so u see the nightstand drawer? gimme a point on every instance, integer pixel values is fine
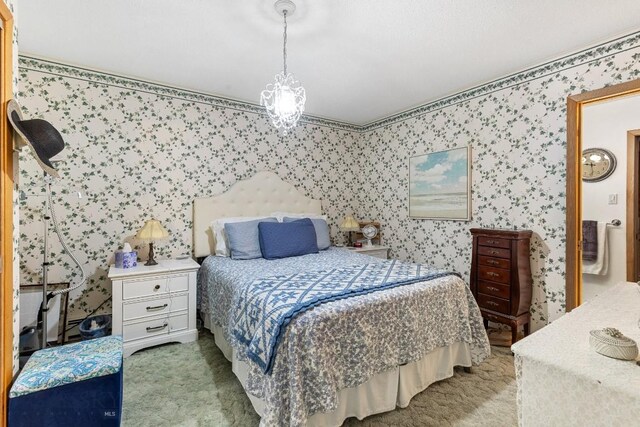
(377, 253)
(500, 291)
(494, 252)
(156, 326)
(154, 307)
(495, 262)
(491, 303)
(494, 242)
(156, 286)
(494, 274)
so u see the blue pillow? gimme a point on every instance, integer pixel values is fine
(287, 239)
(322, 231)
(243, 239)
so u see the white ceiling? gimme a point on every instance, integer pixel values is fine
(359, 60)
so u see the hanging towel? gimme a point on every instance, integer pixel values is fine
(589, 240)
(601, 264)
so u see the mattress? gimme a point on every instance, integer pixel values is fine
(344, 343)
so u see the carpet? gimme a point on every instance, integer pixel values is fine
(192, 385)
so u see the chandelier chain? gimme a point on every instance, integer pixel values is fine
(284, 48)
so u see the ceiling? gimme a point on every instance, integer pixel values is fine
(359, 60)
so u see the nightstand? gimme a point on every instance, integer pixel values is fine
(154, 304)
(374, 251)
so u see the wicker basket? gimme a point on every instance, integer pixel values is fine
(611, 343)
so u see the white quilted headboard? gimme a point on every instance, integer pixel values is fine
(262, 194)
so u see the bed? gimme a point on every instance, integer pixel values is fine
(351, 357)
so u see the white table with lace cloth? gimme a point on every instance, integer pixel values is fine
(562, 381)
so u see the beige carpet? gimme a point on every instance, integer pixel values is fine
(192, 385)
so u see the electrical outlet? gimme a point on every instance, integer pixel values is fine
(613, 199)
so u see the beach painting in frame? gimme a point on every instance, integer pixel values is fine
(440, 185)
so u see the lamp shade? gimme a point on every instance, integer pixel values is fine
(152, 230)
(349, 224)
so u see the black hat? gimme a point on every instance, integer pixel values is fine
(44, 140)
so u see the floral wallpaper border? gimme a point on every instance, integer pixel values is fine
(609, 48)
(28, 62)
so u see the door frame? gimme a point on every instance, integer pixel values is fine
(6, 208)
(573, 272)
(633, 192)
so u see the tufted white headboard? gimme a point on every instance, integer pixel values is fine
(262, 194)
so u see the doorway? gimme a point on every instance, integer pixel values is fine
(575, 193)
(6, 207)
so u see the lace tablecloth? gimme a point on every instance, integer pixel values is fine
(563, 381)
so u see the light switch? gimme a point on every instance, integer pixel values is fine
(613, 199)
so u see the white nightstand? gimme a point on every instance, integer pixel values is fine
(155, 304)
(375, 251)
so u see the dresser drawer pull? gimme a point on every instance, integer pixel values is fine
(156, 287)
(494, 252)
(492, 262)
(492, 242)
(493, 274)
(156, 328)
(157, 307)
(488, 302)
(493, 288)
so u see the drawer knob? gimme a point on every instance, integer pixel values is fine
(493, 262)
(492, 242)
(156, 287)
(492, 274)
(488, 302)
(156, 328)
(492, 288)
(157, 307)
(495, 252)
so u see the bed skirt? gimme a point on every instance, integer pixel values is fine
(382, 393)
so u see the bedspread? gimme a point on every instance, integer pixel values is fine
(342, 343)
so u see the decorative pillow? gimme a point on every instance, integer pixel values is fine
(244, 242)
(281, 215)
(322, 231)
(287, 239)
(217, 228)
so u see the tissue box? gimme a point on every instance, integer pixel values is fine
(126, 259)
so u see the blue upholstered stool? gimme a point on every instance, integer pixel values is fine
(73, 385)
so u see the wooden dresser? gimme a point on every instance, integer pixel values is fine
(501, 277)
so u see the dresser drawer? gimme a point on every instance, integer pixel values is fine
(492, 303)
(494, 274)
(495, 262)
(494, 242)
(156, 326)
(154, 307)
(156, 286)
(494, 252)
(493, 289)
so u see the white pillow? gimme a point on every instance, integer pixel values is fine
(280, 215)
(217, 227)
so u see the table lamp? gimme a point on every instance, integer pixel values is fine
(348, 225)
(152, 231)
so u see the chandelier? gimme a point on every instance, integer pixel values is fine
(284, 99)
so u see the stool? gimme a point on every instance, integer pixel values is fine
(73, 385)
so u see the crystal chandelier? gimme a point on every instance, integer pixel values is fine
(284, 99)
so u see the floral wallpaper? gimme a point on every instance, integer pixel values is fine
(137, 151)
(516, 127)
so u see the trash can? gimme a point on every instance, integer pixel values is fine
(95, 326)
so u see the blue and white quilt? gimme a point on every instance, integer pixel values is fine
(267, 306)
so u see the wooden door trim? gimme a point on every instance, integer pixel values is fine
(573, 268)
(633, 186)
(6, 206)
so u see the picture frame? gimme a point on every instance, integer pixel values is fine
(440, 185)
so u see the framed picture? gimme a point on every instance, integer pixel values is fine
(440, 185)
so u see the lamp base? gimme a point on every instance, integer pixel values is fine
(151, 261)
